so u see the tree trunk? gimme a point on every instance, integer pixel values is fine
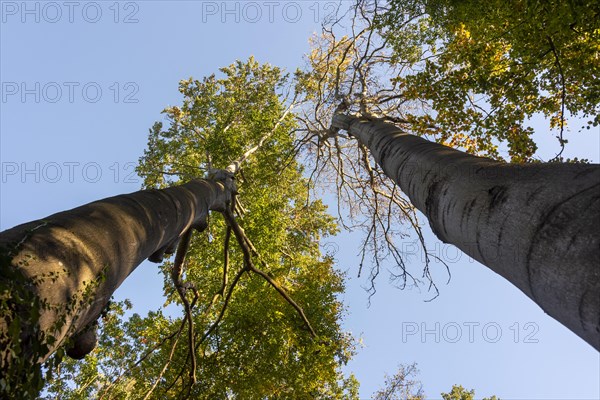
(74, 260)
(534, 224)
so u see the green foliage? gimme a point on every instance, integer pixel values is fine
(485, 68)
(20, 310)
(460, 393)
(116, 342)
(217, 122)
(261, 348)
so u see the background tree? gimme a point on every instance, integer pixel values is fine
(404, 385)
(460, 393)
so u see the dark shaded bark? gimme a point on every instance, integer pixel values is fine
(534, 224)
(92, 249)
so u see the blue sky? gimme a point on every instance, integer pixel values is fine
(83, 82)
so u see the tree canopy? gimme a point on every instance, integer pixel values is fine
(486, 69)
(249, 342)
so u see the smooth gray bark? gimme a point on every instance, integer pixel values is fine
(100, 244)
(534, 224)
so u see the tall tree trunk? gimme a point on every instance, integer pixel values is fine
(534, 224)
(74, 260)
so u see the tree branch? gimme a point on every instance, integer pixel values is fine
(247, 246)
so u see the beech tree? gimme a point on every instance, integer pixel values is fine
(535, 224)
(58, 273)
(377, 81)
(258, 297)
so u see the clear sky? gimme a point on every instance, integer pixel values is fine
(83, 81)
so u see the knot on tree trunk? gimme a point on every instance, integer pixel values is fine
(225, 177)
(84, 342)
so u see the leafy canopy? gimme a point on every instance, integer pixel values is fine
(485, 68)
(261, 347)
